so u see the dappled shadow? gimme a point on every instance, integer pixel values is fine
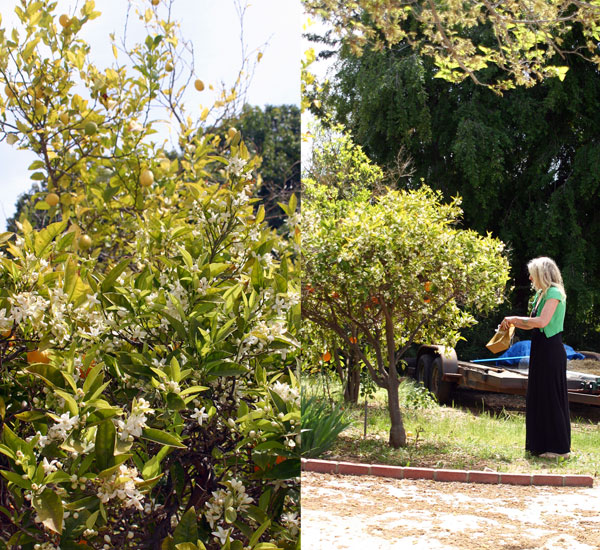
(499, 405)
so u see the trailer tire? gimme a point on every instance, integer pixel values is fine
(423, 372)
(439, 387)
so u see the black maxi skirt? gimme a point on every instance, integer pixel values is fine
(548, 425)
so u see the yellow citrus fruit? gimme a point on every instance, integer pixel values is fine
(52, 199)
(90, 128)
(64, 20)
(146, 178)
(37, 356)
(85, 241)
(155, 2)
(169, 67)
(199, 85)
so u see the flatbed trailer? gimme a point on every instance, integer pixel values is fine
(440, 371)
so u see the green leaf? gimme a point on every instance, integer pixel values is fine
(49, 507)
(258, 533)
(187, 530)
(118, 460)
(113, 275)
(193, 389)
(69, 401)
(152, 468)
(164, 438)
(105, 444)
(17, 479)
(257, 277)
(91, 521)
(46, 236)
(230, 515)
(225, 368)
(174, 402)
(49, 374)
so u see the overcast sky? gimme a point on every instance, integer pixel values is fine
(213, 26)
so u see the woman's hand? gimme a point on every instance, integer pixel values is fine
(507, 322)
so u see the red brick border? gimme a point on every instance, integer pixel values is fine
(401, 472)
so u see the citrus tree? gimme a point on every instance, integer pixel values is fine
(392, 268)
(148, 393)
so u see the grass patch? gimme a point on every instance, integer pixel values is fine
(453, 437)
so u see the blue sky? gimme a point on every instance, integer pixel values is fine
(213, 26)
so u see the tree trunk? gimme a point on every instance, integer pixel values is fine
(397, 433)
(352, 389)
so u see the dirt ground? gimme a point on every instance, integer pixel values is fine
(370, 513)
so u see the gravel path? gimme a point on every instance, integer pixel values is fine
(369, 513)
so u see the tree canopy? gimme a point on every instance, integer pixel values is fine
(526, 39)
(383, 271)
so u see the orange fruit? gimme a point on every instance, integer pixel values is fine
(52, 199)
(427, 300)
(353, 340)
(146, 178)
(427, 286)
(37, 356)
(85, 241)
(199, 85)
(327, 356)
(64, 20)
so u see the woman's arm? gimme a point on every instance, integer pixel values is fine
(528, 323)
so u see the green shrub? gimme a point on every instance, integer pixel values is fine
(416, 396)
(321, 424)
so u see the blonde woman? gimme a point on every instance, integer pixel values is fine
(548, 425)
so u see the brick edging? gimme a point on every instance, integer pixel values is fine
(470, 476)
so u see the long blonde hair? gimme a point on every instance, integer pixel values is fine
(545, 273)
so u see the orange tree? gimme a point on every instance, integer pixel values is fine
(387, 269)
(147, 352)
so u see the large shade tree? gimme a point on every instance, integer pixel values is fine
(526, 39)
(392, 267)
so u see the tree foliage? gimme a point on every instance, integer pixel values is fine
(521, 162)
(525, 37)
(393, 268)
(148, 332)
(273, 134)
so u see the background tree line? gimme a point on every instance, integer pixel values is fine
(525, 162)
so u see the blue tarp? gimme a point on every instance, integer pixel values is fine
(523, 348)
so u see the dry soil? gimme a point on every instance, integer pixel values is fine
(370, 513)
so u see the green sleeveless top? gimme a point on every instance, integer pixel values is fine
(556, 324)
